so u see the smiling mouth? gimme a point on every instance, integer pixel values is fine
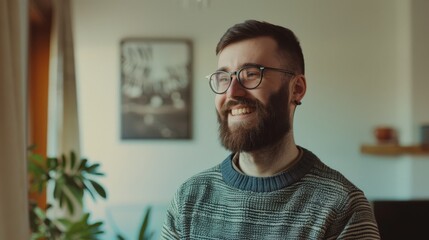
(241, 111)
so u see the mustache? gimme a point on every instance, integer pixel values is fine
(238, 101)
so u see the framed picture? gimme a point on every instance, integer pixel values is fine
(156, 77)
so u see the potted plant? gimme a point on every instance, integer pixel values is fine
(71, 179)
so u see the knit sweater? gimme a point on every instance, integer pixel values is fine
(308, 201)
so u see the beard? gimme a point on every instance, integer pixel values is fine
(272, 123)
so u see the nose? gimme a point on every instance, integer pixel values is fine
(235, 89)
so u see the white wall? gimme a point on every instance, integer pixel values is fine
(420, 100)
(358, 59)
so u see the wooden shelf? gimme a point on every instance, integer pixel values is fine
(393, 150)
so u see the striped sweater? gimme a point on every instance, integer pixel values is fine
(308, 201)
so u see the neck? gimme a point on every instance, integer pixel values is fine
(271, 160)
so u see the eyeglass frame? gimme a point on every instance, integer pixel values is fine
(237, 75)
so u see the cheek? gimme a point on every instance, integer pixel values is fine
(219, 101)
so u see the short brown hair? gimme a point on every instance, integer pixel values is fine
(286, 40)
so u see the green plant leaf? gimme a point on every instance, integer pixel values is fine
(74, 182)
(39, 213)
(73, 159)
(143, 229)
(36, 236)
(63, 161)
(59, 194)
(60, 198)
(57, 189)
(36, 158)
(38, 175)
(98, 188)
(69, 183)
(85, 218)
(82, 229)
(68, 196)
(119, 237)
(52, 163)
(77, 180)
(82, 164)
(89, 191)
(35, 168)
(97, 173)
(77, 194)
(65, 222)
(70, 205)
(93, 168)
(40, 186)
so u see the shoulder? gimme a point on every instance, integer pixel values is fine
(352, 210)
(324, 176)
(329, 182)
(204, 176)
(330, 177)
(200, 181)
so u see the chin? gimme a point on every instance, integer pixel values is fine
(240, 125)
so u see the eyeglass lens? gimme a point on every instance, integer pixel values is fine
(249, 77)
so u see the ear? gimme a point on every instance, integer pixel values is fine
(299, 87)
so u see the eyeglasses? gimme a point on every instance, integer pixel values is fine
(249, 77)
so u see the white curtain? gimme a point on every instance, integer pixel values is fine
(63, 124)
(13, 83)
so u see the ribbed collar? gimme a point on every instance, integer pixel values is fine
(267, 184)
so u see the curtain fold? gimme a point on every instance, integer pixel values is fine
(14, 222)
(63, 121)
(63, 130)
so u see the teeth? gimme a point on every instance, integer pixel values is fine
(240, 111)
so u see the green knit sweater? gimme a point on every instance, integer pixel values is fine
(308, 201)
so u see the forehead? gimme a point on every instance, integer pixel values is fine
(260, 50)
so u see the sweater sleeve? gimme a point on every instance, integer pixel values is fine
(170, 228)
(357, 220)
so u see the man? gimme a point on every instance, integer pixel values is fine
(268, 188)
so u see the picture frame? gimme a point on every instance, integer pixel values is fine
(156, 88)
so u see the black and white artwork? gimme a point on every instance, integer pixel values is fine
(156, 89)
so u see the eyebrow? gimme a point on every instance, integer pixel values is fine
(225, 69)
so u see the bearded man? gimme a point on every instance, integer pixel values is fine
(268, 187)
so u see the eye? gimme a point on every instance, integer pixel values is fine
(221, 78)
(250, 74)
